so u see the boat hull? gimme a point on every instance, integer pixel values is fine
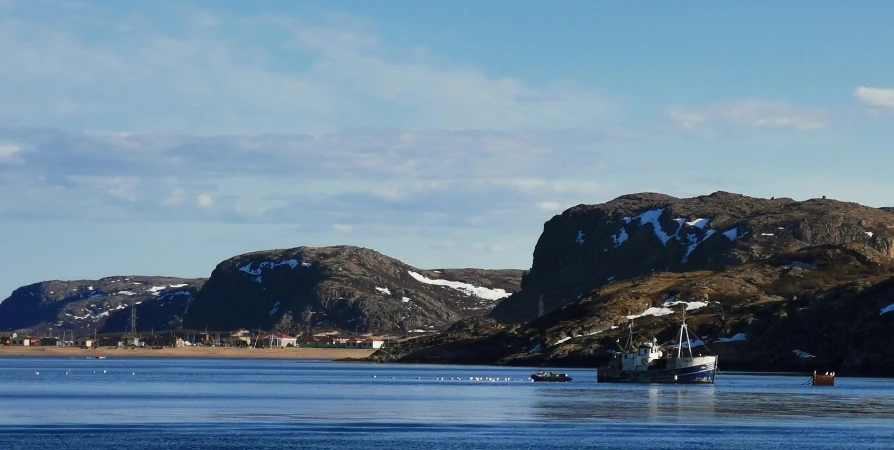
(550, 379)
(700, 374)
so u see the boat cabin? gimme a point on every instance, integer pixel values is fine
(643, 357)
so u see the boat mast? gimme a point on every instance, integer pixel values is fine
(683, 329)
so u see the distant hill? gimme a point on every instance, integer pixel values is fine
(342, 287)
(101, 305)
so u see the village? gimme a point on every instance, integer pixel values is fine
(188, 338)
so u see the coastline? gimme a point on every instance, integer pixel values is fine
(190, 352)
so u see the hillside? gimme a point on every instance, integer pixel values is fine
(342, 287)
(818, 308)
(102, 305)
(590, 246)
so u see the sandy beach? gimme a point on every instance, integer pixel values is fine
(190, 352)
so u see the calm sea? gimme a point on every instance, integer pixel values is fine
(264, 404)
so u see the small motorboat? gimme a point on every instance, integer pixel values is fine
(827, 379)
(555, 377)
(100, 357)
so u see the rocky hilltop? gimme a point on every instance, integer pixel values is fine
(590, 246)
(104, 305)
(342, 287)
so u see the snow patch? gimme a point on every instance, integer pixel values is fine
(89, 288)
(690, 306)
(653, 311)
(626, 219)
(95, 295)
(405, 299)
(275, 309)
(739, 337)
(468, 289)
(767, 234)
(695, 343)
(125, 293)
(694, 242)
(800, 265)
(620, 238)
(802, 354)
(563, 340)
(580, 237)
(610, 280)
(157, 289)
(293, 263)
(178, 285)
(870, 234)
(383, 290)
(732, 234)
(887, 309)
(698, 223)
(652, 217)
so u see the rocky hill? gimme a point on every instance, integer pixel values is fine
(342, 287)
(827, 307)
(103, 305)
(590, 246)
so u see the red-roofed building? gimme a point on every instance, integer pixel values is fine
(277, 340)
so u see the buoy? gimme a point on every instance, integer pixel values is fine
(103, 371)
(36, 373)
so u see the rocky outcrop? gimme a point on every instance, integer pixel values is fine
(344, 288)
(823, 308)
(590, 246)
(102, 305)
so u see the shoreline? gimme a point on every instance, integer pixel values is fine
(331, 354)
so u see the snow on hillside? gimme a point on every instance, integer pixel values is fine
(468, 289)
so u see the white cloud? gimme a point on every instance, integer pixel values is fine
(54, 72)
(752, 113)
(549, 206)
(204, 201)
(10, 154)
(342, 228)
(878, 97)
(176, 197)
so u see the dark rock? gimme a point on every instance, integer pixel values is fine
(343, 288)
(589, 246)
(104, 305)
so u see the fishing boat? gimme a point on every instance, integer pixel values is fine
(649, 363)
(100, 357)
(554, 377)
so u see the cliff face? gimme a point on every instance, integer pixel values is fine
(590, 246)
(103, 305)
(342, 287)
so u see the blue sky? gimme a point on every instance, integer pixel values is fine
(163, 137)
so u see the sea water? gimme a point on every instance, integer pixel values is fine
(80, 403)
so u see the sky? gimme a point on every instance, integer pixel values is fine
(162, 137)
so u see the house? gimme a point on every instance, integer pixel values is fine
(320, 341)
(50, 342)
(160, 341)
(84, 341)
(241, 338)
(277, 340)
(24, 341)
(373, 342)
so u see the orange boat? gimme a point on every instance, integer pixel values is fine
(827, 379)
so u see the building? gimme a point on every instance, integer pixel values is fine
(50, 342)
(24, 341)
(84, 341)
(328, 341)
(277, 340)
